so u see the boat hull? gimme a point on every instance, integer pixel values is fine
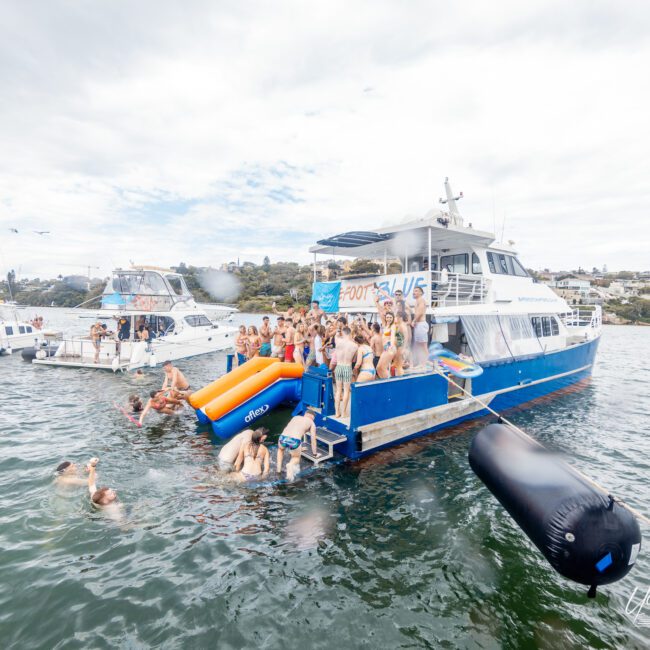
(503, 385)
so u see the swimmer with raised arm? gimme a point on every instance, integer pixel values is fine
(102, 496)
(292, 437)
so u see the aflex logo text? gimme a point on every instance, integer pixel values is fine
(252, 415)
(639, 612)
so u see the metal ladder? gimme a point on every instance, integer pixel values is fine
(328, 438)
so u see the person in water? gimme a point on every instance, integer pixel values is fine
(292, 437)
(135, 403)
(253, 458)
(229, 452)
(103, 496)
(162, 403)
(175, 381)
(67, 473)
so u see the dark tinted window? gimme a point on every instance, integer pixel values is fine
(555, 328)
(29, 329)
(546, 326)
(21, 329)
(9, 330)
(491, 265)
(518, 268)
(476, 264)
(537, 325)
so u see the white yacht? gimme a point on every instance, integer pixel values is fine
(145, 298)
(16, 333)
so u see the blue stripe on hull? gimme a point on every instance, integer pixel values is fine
(517, 375)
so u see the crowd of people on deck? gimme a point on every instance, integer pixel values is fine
(351, 347)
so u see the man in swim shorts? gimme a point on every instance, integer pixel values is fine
(265, 338)
(289, 337)
(277, 346)
(420, 328)
(292, 436)
(346, 350)
(175, 381)
(229, 452)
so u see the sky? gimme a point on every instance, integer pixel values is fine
(202, 132)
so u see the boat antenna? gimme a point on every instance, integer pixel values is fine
(454, 215)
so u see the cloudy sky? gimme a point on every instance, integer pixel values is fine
(163, 132)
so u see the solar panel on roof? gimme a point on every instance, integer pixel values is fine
(354, 239)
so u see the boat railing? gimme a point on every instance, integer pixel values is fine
(451, 289)
(584, 316)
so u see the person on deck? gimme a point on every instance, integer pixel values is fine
(346, 349)
(315, 313)
(265, 338)
(420, 328)
(289, 341)
(241, 343)
(277, 342)
(96, 333)
(292, 437)
(254, 343)
(364, 363)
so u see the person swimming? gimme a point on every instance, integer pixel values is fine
(162, 403)
(67, 473)
(253, 458)
(103, 496)
(230, 451)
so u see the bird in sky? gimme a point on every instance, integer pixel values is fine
(14, 230)
(42, 232)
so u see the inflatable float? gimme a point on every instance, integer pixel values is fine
(239, 398)
(453, 363)
(582, 531)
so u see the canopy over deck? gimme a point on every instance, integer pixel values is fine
(410, 239)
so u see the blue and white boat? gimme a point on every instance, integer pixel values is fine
(481, 303)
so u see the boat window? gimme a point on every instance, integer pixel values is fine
(491, 265)
(502, 265)
(21, 329)
(519, 334)
(29, 329)
(455, 263)
(485, 337)
(537, 325)
(555, 327)
(518, 268)
(176, 284)
(546, 326)
(155, 284)
(9, 330)
(197, 321)
(476, 264)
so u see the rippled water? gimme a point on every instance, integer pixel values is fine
(404, 549)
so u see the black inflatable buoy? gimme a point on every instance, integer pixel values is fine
(28, 354)
(585, 535)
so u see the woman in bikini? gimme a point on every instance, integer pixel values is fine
(299, 343)
(253, 458)
(389, 344)
(253, 343)
(364, 364)
(401, 342)
(240, 345)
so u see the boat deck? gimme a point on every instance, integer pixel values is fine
(78, 362)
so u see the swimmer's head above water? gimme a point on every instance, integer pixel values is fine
(104, 496)
(66, 467)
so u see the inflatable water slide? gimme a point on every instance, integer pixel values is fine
(242, 396)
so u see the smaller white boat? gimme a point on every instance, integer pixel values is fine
(138, 299)
(16, 333)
